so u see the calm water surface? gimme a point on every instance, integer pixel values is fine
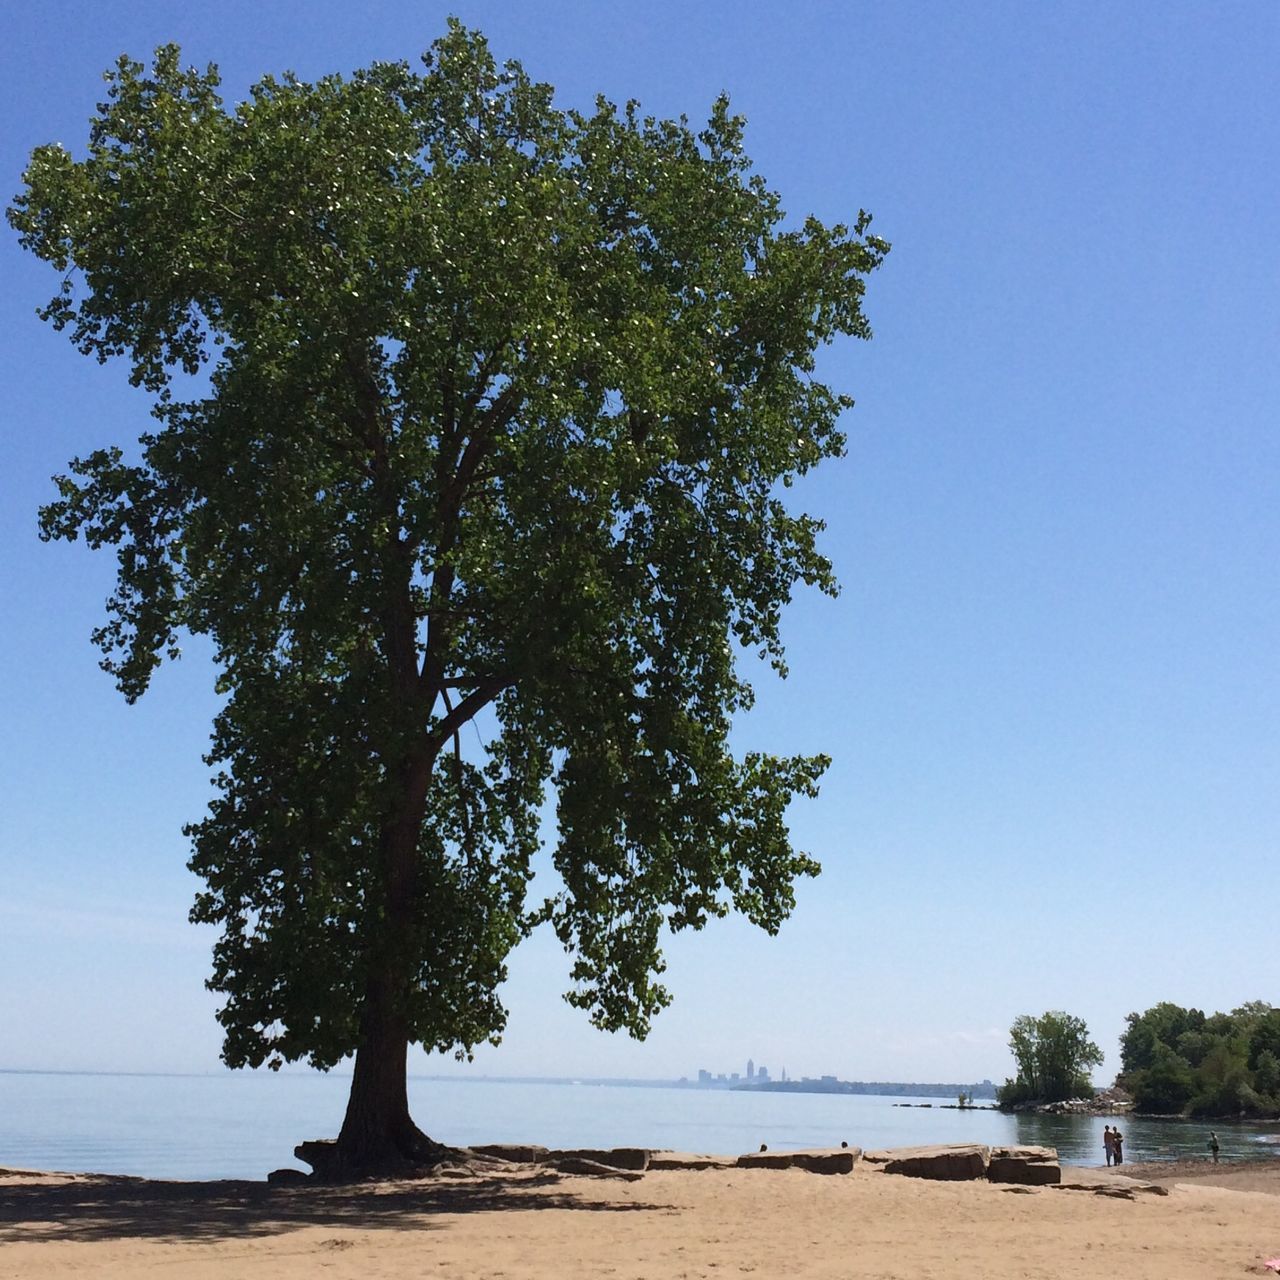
(240, 1125)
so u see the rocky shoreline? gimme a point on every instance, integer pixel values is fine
(953, 1162)
(1106, 1102)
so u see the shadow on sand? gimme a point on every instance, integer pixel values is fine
(109, 1208)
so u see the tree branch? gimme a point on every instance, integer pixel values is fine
(494, 418)
(452, 492)
(468, 708)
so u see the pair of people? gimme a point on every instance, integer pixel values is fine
(1113, 1144)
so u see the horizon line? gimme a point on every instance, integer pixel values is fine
(570, 1078)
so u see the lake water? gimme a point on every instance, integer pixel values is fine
(240, 1125)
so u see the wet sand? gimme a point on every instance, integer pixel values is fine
(1235, 1175)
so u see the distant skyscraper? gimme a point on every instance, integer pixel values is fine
(751, 1070)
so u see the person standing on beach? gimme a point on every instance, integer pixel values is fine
(1108, 1143)
(1213, 1145)
(1117, 1145)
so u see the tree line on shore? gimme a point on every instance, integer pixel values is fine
(1173, 1061)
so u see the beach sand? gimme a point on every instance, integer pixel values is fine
(666, 1226)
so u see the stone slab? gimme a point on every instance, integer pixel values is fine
(661, 1160)
(829, 1160)
(1026, 1166)
(1119, 1189)
(516, 1152)
(959, 1162)
(593, 1169)
(634, 1158)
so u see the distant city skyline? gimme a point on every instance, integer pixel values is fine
(753, 1073)
(829, 1081)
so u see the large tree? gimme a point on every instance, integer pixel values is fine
(1054, 1056)
(468, 410)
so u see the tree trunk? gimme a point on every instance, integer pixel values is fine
(378, 1135)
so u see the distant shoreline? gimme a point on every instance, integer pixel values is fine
(877, 1088)
(887, 1089)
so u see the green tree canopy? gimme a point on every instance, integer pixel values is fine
(1176, 1060)
(1163, 1023)
(1264, 1035)
(1166, 1085)
(495, 408)
(1266, 1076)
(1053, 1054)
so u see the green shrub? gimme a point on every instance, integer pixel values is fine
(1013, 1092)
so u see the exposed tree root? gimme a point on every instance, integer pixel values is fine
(408, 1153)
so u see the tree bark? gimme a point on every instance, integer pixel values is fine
(378, 1135)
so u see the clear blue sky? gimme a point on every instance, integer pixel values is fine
(1051, 685)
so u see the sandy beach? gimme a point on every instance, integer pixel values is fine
(1220, 1222)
